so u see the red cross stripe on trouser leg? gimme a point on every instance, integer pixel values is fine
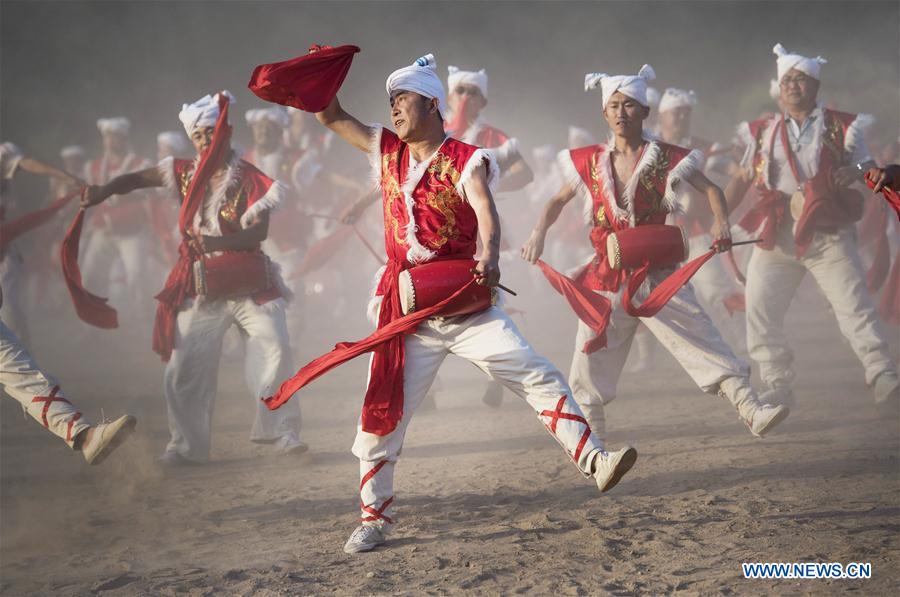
(72, 422)
(374, 513)
(48, 400)
(556, 415)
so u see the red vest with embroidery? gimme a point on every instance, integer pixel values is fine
(826, 207)
(243, 192)
(444, 225)
(610, 213)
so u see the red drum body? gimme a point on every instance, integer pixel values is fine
(232, 275)
(659, 244)
(430, 283)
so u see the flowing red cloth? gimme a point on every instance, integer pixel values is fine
(768, 212)
(375, 416)
(892, 196)
(178, 284)
(592, 308)
(90, 308)
(9, 231)
(664, 291)
(307, 82)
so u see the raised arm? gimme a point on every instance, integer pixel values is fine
(122, 185)
(482, 201)
(345, 126)
(721, 230)
(40, 168)
(534, 247)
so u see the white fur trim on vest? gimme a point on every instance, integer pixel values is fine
(505, 153)
(166, 170)
(208, 221)
(692, 162)
(374, 306)
(856, 131)
(270, 201)
(651, 155)
(481, 156)
(374, 155)
(574, 181)
(417, 253)
(745, 136)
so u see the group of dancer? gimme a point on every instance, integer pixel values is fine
(437, 168)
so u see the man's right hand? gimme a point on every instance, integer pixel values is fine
(92, 195)
(534, 248)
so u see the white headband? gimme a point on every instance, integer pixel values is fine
(202, 113)
(275, 114)
(786, 61)
(677, 98)
(174, 140)
(456, 77)
(634, 87)
(118, 124)
(71, 151)
(420, 77)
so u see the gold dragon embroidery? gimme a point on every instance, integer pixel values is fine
(394, 194)
(446, 200)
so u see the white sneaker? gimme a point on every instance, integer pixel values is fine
(291, 444)
(609, 467)
(886, 388)
(106, 437)
(766, 417)
(364, 538)
(780, 393)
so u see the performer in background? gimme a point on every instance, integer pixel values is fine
(802, 163)
(627, 183)
(225, 216)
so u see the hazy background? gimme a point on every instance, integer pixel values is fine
(64, 64)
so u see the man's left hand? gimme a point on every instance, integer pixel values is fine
(721, 234)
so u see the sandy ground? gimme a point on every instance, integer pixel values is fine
(487, 503)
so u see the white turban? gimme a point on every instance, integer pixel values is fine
(786, 61)
(202, 113)
(419, 77)
(275, 114)
(71, 151)
(677, 98)
(456, 77)
(118, 125)
(174, 140)
(634, 87)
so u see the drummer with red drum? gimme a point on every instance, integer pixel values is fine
(627, 184)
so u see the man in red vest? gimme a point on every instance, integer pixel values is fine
(437, 202)
(802, 163)
(630, 182)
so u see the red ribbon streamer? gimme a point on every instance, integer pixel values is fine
(345, 351)
(90, 308)
(592, 308)
(10, 231)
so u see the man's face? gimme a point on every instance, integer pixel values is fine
(410, 112)
(266, 134)
(676, 121)
(474, 104)
(115, 142)
(798, 88)
(624, 115)
(202, 138)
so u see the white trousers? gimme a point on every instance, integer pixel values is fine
(490, 341)
(681, 326)
(713, 283)
(192, 373)
(38, 393)
(12, 280)
(772, 280)
(108, 256)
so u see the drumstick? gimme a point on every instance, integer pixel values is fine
(747, 242)
(500, 286)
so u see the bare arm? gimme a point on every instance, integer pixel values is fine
(515, 177)
(122, 185)
(737, 188)
(38, 167)
(479, 195)
(345, 126)
(721, 230)
(534, 247)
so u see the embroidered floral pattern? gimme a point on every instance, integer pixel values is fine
(394, 195)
